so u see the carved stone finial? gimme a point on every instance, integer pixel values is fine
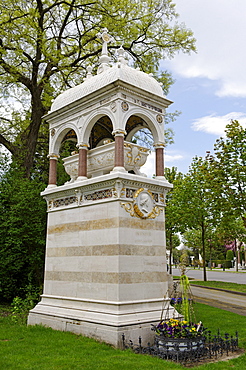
(121, 55)
(104, 58)
(106, 38)
(89, 74)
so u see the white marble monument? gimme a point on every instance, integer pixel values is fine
(105, 268)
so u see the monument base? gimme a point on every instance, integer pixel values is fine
(105, 266)
(104, 321)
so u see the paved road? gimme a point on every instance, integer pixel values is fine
(226, 301)
(217, 275)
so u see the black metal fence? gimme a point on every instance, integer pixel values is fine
(187, 350)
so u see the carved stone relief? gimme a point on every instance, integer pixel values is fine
(143, 205)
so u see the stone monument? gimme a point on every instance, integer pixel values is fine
(105, 267)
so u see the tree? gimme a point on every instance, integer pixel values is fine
(230, 256)
(196, 202)
(231, 232)
(228, 166)
(215, 250)
(46, 46)
(192, 240)
(22, 235)
(172, 212)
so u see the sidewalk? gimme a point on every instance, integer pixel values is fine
(229, 301)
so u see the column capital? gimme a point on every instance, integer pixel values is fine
(53, 156)
(159, 144)
(119, 132)
(82, 146)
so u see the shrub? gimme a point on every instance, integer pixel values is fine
(229, 255)
(20, 307)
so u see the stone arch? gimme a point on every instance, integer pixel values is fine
(59, 136)
(92, 120)
(101, 131)
(156, 129)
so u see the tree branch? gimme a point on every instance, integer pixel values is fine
(8, 145)
(12, 71)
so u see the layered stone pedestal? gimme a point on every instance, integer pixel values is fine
(105, 270)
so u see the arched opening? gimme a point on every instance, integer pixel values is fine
(68, 147)
(101, 133)
(135, 124)
(139, 132)
(106, 150)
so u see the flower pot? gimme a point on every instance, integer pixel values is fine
(180, 344)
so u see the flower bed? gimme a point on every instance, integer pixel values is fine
(180, 337)
(174, 328)
(188, 350)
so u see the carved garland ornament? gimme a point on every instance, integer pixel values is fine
(143, 205)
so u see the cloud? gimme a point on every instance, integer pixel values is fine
(170, 158)
(149, 167)
(219, 27)
(173, 157)
(215, 125)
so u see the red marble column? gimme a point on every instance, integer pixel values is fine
(119, 150)
(159, 161)
(82, 168)
(53, 169)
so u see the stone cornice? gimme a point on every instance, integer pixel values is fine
(107, 188)
(113, 88)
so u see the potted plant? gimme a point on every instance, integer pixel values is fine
(183, 332)
(179, 335)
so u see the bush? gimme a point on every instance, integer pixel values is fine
(226, 264)
(22, 235)
(229, 255)
(20, 307)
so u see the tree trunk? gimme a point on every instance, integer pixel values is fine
(236, 253)
(31, 139)
(204, 254)
(171, 252)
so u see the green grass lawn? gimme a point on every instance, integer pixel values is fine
(36, 347)
(221, 285)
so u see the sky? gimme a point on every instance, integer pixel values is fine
(210, 85)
